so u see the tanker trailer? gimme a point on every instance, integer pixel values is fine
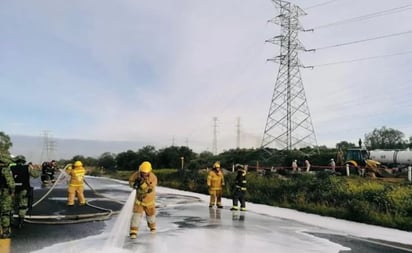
(392, 158)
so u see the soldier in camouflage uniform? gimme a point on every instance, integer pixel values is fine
(21, 174)
(7, 188)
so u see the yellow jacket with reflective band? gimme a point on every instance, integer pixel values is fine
(147, 195)
(76, 176)
(215, 180)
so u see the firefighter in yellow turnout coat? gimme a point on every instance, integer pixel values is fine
(145, 182)
(215, 182)
(76, 183)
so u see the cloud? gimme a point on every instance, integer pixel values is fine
(161, 70)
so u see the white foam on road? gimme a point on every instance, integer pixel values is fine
(225, 239)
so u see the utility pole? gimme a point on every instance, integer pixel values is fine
(214, 146)
(289, 124)
(238, 132)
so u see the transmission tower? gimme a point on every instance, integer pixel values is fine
(49, 147)
(214, 146)
(238, 132)
(288, 124)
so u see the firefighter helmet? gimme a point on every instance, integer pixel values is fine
(20, 159)
(78, 164)
(145, 167)
(216, 164)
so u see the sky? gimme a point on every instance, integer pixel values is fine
(158, 72)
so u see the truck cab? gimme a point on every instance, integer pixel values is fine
(358, 158)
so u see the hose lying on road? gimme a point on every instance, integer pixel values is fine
(72, 218)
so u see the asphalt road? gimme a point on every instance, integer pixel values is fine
(185, 224)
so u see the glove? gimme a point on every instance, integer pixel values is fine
(138, 182)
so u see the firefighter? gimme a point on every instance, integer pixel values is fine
(7, 189)
(24, 192)
(48, 170)
(215, 182)
(144, 181)
(76, 183)
(239, 191)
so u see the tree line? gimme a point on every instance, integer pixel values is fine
(185, 158)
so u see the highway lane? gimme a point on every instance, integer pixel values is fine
(186, 224)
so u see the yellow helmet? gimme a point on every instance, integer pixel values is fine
(78, 164)
(145, 167)
(216, 164)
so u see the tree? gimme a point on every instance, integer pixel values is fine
(107, 161)
(87, 161)
(170, 157)
(344, 145)
(5, 145)
(385, 138)
(147, 153)
(127, 160)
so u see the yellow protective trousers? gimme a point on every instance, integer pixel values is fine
(72, 192)
(215, 197)
(138, 210)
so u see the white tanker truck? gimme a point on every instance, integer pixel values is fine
(392, 158)
(379, 162)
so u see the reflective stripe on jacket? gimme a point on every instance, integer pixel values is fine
(76, 176)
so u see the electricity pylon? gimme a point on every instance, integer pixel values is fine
(49, 147)
(288, 125)
(214, 145)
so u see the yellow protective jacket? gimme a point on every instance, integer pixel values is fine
(146, 192)
(76, 176)
(215, 180)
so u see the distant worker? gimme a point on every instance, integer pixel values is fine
(24, 192)
(307, 165)
(7, 189)
(332, 165)
(76, 183)
(294, 165)
(239, 191)
(48, 169)
(339, 157)
(145, 182)
(215, 183)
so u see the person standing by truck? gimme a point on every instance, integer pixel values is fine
(332, 165)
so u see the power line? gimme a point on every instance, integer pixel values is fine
(363, 59)
(364, 40)
(368, 16)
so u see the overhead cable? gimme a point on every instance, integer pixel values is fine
(368, 16)
(364, 59)
(363, 40)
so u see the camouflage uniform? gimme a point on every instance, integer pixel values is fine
(7, 188)
(21, 174)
